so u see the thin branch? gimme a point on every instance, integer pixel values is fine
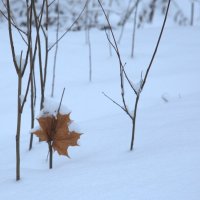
(13, 22)
(119, 58)
(11, 38)
(32, 64)
(29, 35)
(124, 21)
(56, 50)
(128, 13)
(51, 3)
(14, 25)
(75, 21)
(156, 48)
(127, 78)
(46, 43)
(61, 100)
(134, 121)
(29, 24)
(117, 105)
(27, 90)
(113, 36)
(108, 38)
(90, 55)
(108, 14)
(142, 82)
(134, 30)
(38, 22)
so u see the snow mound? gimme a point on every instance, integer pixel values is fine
(51, 108)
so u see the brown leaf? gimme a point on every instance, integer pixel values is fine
(61, 147)
(46, 124)
(62, 124)
(42, 135)
(61, 143)
(56, 130)
(63, 120)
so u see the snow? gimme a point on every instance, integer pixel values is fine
(165, 162)
(50, 107)
(137, 86)
(22, 97)
(73, 126)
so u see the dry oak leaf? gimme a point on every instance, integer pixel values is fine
(55, 130)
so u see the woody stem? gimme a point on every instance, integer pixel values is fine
(50, 155)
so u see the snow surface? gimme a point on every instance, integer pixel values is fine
(165, 162)
(50, 107)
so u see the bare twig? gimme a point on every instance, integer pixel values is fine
(156, 48)
(38, 22)
(56, 50)
(134, 30)
(90, 56)
(114, 44)
(11, 38)
(88, 41)
(129, 81)
(108, 14)
(110, 42)
(46, 43)
(51, 3)
(61, 101)
(117, 104)
(20, 70)
(68, 29)
(192, 13)
(145, 78)
(128, 13)
(142, 82)
(13, 24)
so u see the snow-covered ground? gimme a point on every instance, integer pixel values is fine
(165, 162)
